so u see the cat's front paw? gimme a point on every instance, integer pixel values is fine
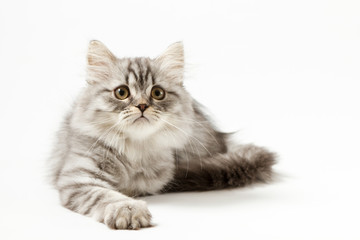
(132, 214)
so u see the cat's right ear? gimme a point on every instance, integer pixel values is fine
(171, 63)
(99, 62)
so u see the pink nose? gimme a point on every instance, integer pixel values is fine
(142, 107)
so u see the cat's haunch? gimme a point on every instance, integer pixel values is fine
(134, 130)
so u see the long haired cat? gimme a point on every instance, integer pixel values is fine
(134, 131)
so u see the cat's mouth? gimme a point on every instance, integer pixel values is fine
(141, 119)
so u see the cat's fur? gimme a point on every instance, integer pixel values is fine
(104, 156)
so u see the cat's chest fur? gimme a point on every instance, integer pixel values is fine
(149, 166)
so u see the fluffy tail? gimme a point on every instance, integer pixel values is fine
(239, 167)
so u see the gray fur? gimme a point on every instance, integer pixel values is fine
(106, 154)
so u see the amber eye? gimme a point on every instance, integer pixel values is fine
(122, 92)
(158, 93)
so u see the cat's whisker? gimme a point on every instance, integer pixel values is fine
(109, 146)
(120, 140)
(101, 122)
(100, 138)
(98, 109)
(168, 130)
(181, 130)
(198, 152)
(193, 147)
(114, 138)
(196, 122)
(189, 120)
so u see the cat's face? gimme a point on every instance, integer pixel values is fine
(134, 97)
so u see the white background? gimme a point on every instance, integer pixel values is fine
(284, 73)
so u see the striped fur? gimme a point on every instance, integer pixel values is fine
(106, 155)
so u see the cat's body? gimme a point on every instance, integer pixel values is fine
(136, 131)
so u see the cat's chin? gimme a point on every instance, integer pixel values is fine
(142, 128)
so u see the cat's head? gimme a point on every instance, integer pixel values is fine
(133, 97)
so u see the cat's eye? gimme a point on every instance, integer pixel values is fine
(122, 92)
(158, 93)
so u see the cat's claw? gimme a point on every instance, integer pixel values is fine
(132, 214)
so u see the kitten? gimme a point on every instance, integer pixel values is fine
(134, 131)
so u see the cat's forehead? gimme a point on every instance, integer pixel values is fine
(139, 72)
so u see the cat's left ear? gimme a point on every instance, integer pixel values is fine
(100, 61)
(171, 63)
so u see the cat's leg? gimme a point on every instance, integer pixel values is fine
(95, 195)
(240, 166)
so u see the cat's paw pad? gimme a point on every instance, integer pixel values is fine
(132, 214)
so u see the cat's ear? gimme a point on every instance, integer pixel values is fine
(99, 62)
(171, 63)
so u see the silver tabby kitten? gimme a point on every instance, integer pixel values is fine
(134, 131)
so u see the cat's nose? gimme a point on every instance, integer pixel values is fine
(142, 107)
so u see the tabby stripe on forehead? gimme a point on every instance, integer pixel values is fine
(141, 79)
(131, 70)
(147, 73)
(152, 79)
